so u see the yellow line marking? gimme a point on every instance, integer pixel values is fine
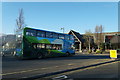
(43, 68)
(100, 65)
(25, 71)
(93, 67)
(70, 64)
(56, 66)
(20, 72)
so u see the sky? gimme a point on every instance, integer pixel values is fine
(52, 16)
(59, 0)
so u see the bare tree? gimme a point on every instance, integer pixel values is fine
(87, 38)
(99, 35)
(20, 21)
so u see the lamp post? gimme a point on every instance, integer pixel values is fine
(62, 29)
(89, 43)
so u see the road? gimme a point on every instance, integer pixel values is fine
(109, 71)
(13, 68)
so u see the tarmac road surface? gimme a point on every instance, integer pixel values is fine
(13, 68)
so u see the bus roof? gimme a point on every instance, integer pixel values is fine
(45, 30)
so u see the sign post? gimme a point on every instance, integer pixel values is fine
(113, 54)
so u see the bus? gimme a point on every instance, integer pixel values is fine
(37, 43)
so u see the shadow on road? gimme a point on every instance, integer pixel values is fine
(82, 57)
(79, 56)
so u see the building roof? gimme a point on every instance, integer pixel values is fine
(78, 35)
(115, 39)
(111, 33)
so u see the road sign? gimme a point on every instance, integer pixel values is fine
(113, 54)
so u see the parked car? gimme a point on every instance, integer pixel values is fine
(118, 50)
(7, 52)
(2, 54)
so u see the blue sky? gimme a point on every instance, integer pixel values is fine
(78, 16)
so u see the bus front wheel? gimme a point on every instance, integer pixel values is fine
(67, 53)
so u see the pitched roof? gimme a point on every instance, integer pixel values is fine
(78, 35)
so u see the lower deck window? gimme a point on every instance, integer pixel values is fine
(40, 45)
(57, 46)
(48, 46)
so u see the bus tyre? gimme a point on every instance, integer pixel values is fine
(68, 54)
(40, 56)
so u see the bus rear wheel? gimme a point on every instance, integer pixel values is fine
(40, 56)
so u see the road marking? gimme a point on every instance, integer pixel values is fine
(60, 77)
(70, 64)
(56, 66)
(27, 71)
(98, 66)
(22, 71)
(43, 68)
(92, 67)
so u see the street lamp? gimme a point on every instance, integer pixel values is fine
(62, 29)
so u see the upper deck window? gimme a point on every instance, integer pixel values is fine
(55, 35)
(40, 33)
(61, 36)
(67, 37)
(30, 32)
(71, 37)
(49, 34)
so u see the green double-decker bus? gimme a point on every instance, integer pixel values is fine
(36, 43)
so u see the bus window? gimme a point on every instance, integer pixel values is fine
(61, 36)
(71, 37)
(54, 47)
(35, 46)
(48, 46)
(49, 34)
(40, 33)
(55, 35)
(39, 46)
(57, 46)
(67, 37)
(30, 32)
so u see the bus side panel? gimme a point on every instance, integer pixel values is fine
(29, 51)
